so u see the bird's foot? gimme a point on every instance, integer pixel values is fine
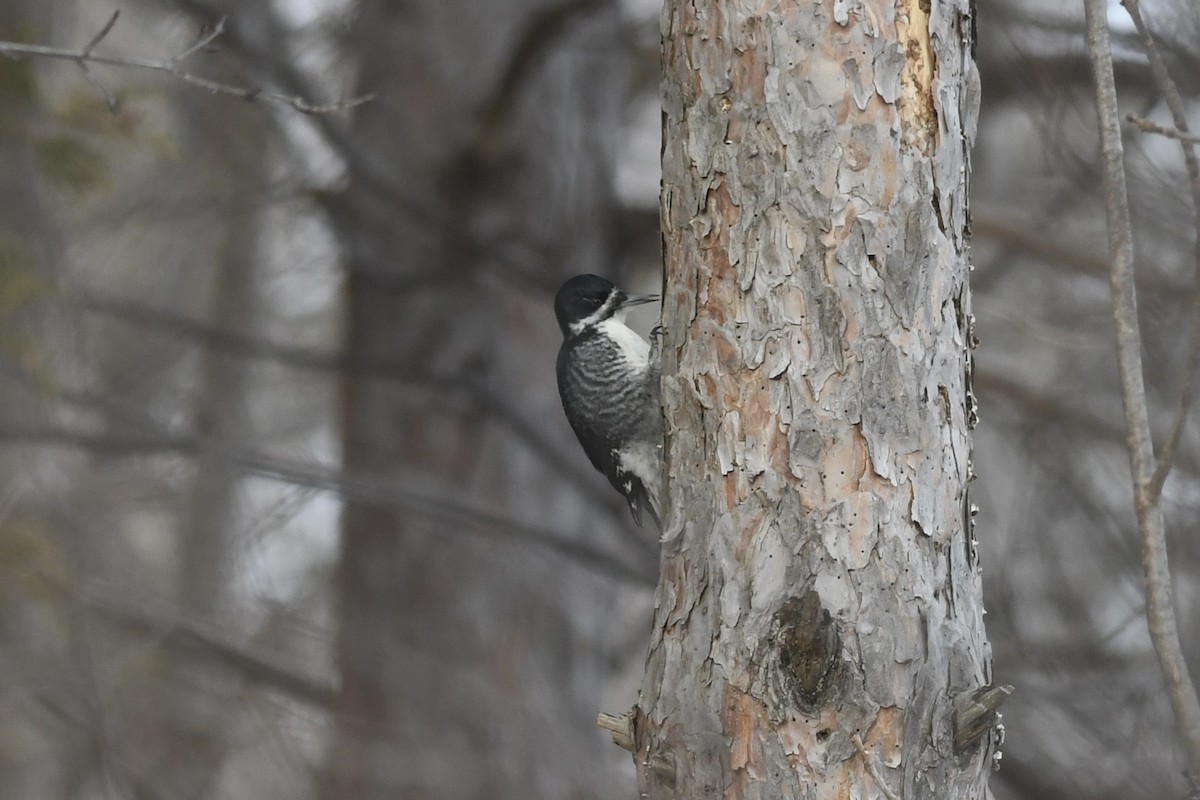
(656, 339)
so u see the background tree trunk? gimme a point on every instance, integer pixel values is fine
(190, 747)
(820, 604)
(30, 247)
(466, 672)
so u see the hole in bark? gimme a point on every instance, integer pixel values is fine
(824, 734)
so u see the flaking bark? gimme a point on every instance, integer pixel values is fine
(819, 575)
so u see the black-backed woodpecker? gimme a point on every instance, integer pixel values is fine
(608, 380)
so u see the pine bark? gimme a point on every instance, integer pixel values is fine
(819, 612)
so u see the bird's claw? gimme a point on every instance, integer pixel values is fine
(656, 339)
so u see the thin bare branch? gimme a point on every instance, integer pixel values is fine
(86, 56)
(110, 99)
(1160, 614)
(99, 37)
(265, 57)
(1146, 126)
(204, 41)
(1170, 93)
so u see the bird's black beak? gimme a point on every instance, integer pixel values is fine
(637, 299)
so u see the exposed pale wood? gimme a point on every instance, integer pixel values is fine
(620, 726)
(975, 714)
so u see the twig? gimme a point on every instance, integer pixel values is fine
(872, 770)
(1170, 93)
(108, 26)
(1160, 615)
(217, 30)
(110, 99)
(86, 56)
(1146, 126)
(365, 167)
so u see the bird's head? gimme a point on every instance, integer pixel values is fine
(587, 300)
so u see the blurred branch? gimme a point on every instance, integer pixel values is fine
(543, 30)
(176, 631)
(427, 210)
(1160, 614)
(82, 648)
(143, 783)
(1043, 43)
(85, 56)
(148, 316)
(1045, 406)
(992, 224)
(382, 492)
(367, 169)
(1170, 93)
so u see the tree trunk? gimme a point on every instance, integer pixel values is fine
(819, 612)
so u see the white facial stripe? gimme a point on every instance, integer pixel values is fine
(599, 314)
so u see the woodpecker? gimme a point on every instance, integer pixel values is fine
(608, 381)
